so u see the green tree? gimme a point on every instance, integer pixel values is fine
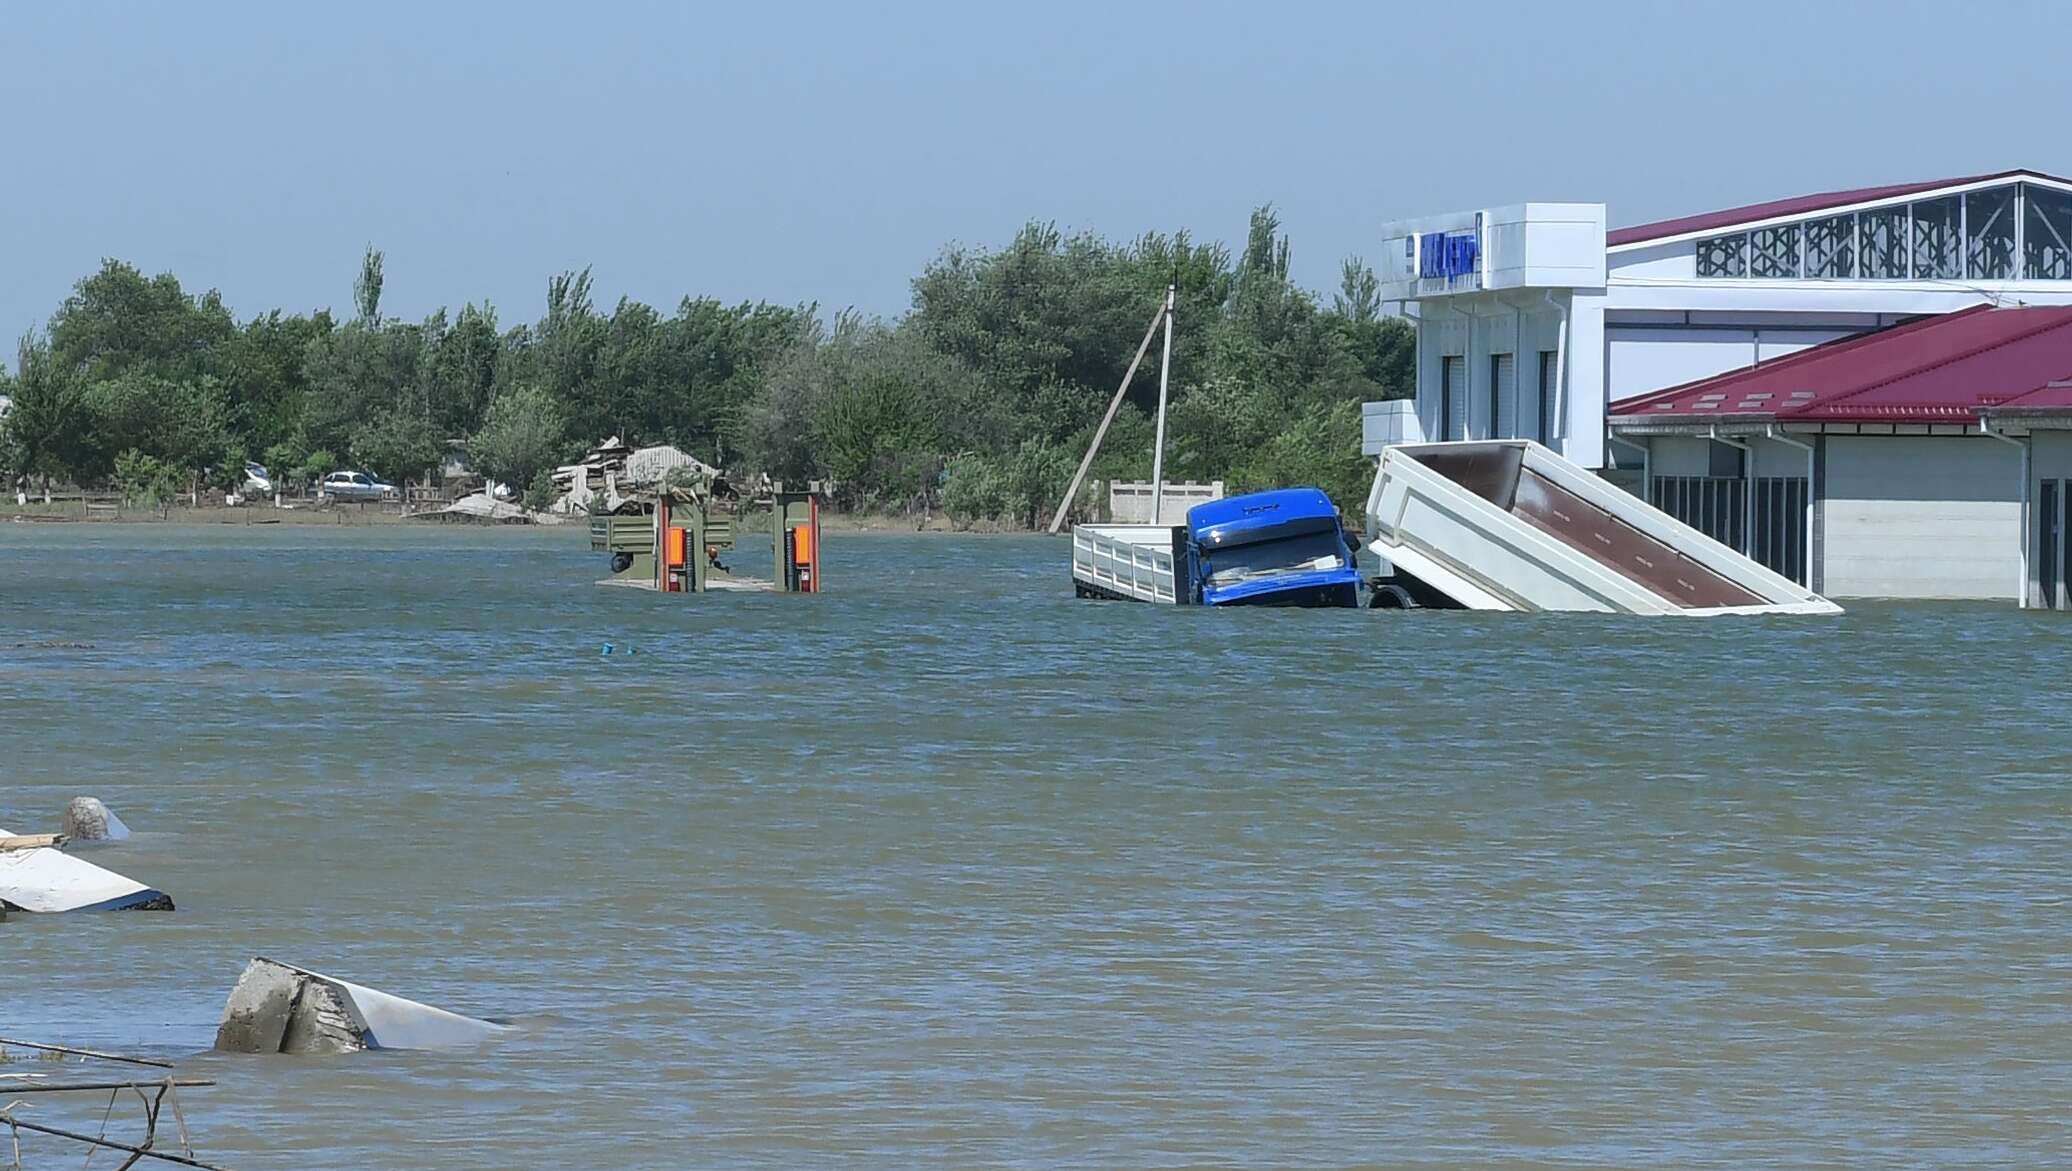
(358, 373)
(180, 423)
(1384, 349)
(398, 444)
(117, 320)
(462, 369)
(1320, 449)
(46, 427)
(523, 434)
(991, 384)
(875, 435)
(315, 466)
(1358, 298)
(776, 427)
(367, 287)
(1067, 312)
(264, 374)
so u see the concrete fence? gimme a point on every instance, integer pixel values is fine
(1129, 501)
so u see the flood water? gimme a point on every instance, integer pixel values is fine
(947, 868)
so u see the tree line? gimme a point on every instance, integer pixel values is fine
(977, 401)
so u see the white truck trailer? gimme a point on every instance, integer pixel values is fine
(1510, 525)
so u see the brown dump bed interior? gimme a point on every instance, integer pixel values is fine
(1497, 473)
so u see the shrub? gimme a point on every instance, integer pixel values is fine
(146, 480)
(543, 493)
(973, 490)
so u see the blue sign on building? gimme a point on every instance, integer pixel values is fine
(1448, 256)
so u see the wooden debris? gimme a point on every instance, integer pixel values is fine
(31, 841)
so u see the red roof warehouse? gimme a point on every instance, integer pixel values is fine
(1936, 370)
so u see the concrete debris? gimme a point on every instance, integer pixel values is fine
(612, 472)
(479, 508)
(90, 822)
(279, 1008)
(651, 465)
(46, 880)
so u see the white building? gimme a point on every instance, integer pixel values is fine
(1915, 467)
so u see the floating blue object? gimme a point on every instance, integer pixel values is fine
(607, 649)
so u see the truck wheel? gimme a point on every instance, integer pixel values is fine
(1391, 597)
(622, 561)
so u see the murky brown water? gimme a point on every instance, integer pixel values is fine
(945, 868)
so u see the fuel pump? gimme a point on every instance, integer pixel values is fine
(797, 525)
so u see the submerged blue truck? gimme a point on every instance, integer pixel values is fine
(1287, 547)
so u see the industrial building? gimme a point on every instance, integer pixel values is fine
(1869, 391)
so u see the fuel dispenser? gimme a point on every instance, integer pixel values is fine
(673, 545)
(687, 537)
(796, 521)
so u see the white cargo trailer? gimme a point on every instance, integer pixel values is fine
(1510, 525)
(1127, 562)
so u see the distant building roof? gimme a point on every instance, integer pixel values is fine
(1797, 205)
(1941, 369)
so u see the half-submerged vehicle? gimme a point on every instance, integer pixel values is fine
(1510, 525)
(1285, 547)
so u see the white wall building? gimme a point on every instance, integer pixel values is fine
(1533, 321)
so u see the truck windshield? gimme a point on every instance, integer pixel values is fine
(1272, 558)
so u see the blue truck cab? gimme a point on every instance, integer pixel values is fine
(1286, 547)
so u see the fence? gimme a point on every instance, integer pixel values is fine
(1129, 501)
(1721, 508)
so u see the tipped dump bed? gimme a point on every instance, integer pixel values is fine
(1509, 525)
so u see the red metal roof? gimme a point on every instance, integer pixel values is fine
(1799, 205)
(2055, 397)
(1935, 370)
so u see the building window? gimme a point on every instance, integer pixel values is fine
(1774, 252)
(1550, 390)
(1831, 247)
(1453, 397)
(1973, 235)
(1881, 244)
(1936, 234)
(1503, 396)
(2047, 235)
(1989, 234)
(1723, 256)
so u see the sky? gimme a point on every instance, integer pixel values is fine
(824, 153)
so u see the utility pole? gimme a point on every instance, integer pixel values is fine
(1165, 370)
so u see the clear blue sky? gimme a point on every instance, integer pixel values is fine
(800, 152)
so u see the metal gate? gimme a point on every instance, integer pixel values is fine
(1544, 410)
(2053, 552)
(1503, 396)
(1453, 397)
(1764, 518)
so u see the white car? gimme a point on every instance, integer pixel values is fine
(355, 487)
(258, 481)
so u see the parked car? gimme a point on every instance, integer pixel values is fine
(355, 487)
(258, 481)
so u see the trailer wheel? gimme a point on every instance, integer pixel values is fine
(1391, 597)
(622, 561)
